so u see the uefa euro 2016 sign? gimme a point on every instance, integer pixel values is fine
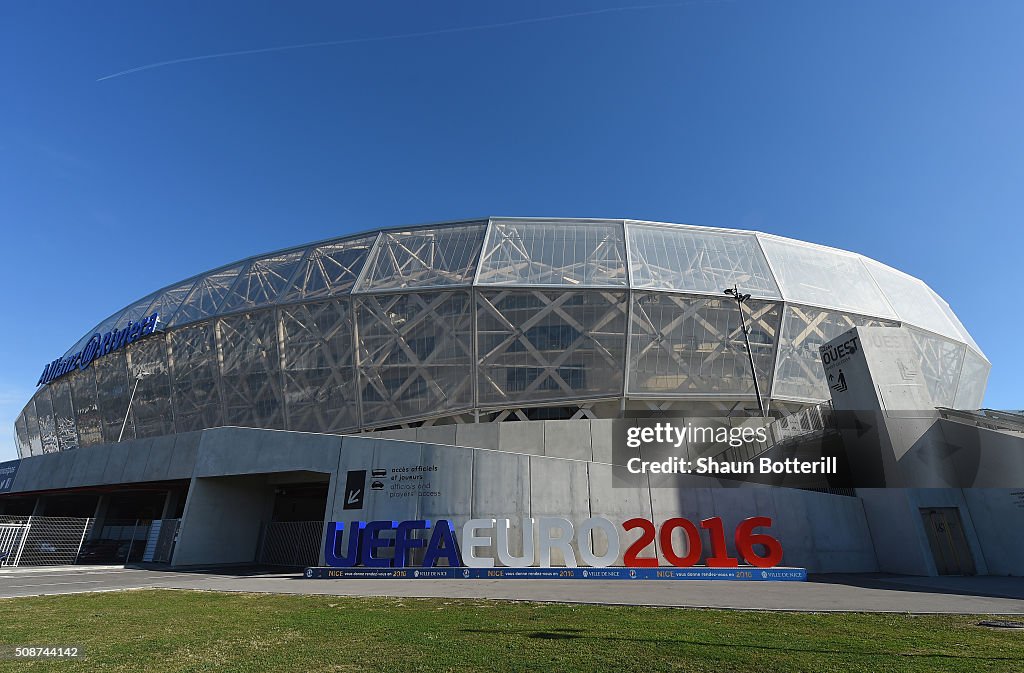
(368, 543)
(98, 346)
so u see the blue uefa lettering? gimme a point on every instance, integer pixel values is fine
(367, 542)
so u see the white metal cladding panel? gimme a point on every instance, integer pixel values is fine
(810, 274)
(965, 336)
(941, 360)
(912, 300)
(554, 253)
(970, 392)
(666, 257)
(421, 258)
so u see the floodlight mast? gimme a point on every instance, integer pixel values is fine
(740, 298)
(139, 375)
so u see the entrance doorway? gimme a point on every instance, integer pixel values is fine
(946, 538)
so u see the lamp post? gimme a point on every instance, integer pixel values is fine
(740, 298)
(139, 375)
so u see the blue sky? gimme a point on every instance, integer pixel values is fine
(895, 129)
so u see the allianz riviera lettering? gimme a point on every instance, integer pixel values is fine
(98, 346)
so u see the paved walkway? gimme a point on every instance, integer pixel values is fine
(854, 593)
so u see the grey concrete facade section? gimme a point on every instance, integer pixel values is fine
(232, 471)
(222, 520)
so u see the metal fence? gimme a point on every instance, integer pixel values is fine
(41, 540)
(160, 538)
(50, 541)
(819, 419)
(291, 543)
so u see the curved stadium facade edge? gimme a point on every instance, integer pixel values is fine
(494, 320)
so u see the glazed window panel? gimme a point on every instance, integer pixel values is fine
(415, 354)
(251, 370)
(64, 414)
(167, 302)
(543, 345)
(206, 296)
(21, 434)
(262, 281)
(799, 373)
(113, 388)
(683, 258)
(151, 409)
(330, 269)
(693, 346)
(319, 377)
(195, 378)
(551, 253)
(418, 258)
(87, 410)
(35, 444)
(47, 423)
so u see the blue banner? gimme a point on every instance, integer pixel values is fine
(692, 573)
(8, 471)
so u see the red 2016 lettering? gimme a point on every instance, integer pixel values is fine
(744, 536)
(632, 557)
(692, 542)
(719, 553)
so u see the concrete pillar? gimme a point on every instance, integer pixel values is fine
(99, 515)
(223, 520)
(170, 504)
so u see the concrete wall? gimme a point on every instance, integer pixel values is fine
(558, 468)
(223, 520)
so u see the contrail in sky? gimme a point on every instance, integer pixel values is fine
(401, 36)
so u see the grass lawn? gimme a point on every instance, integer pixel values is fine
(199, 631)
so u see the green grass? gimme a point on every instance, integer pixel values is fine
(199, 631)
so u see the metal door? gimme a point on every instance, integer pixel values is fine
(946, 538)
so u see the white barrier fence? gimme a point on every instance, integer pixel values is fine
(52, 541)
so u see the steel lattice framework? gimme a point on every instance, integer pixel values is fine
(495, 320)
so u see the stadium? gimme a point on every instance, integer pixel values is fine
(495, 354)
(506, 319)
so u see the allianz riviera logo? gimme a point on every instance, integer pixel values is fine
(98, 346)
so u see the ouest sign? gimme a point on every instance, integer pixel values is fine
(98, 346)
(391, 544)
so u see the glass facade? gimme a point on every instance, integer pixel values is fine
(505, 318)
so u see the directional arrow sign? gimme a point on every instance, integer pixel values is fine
(355, 483)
